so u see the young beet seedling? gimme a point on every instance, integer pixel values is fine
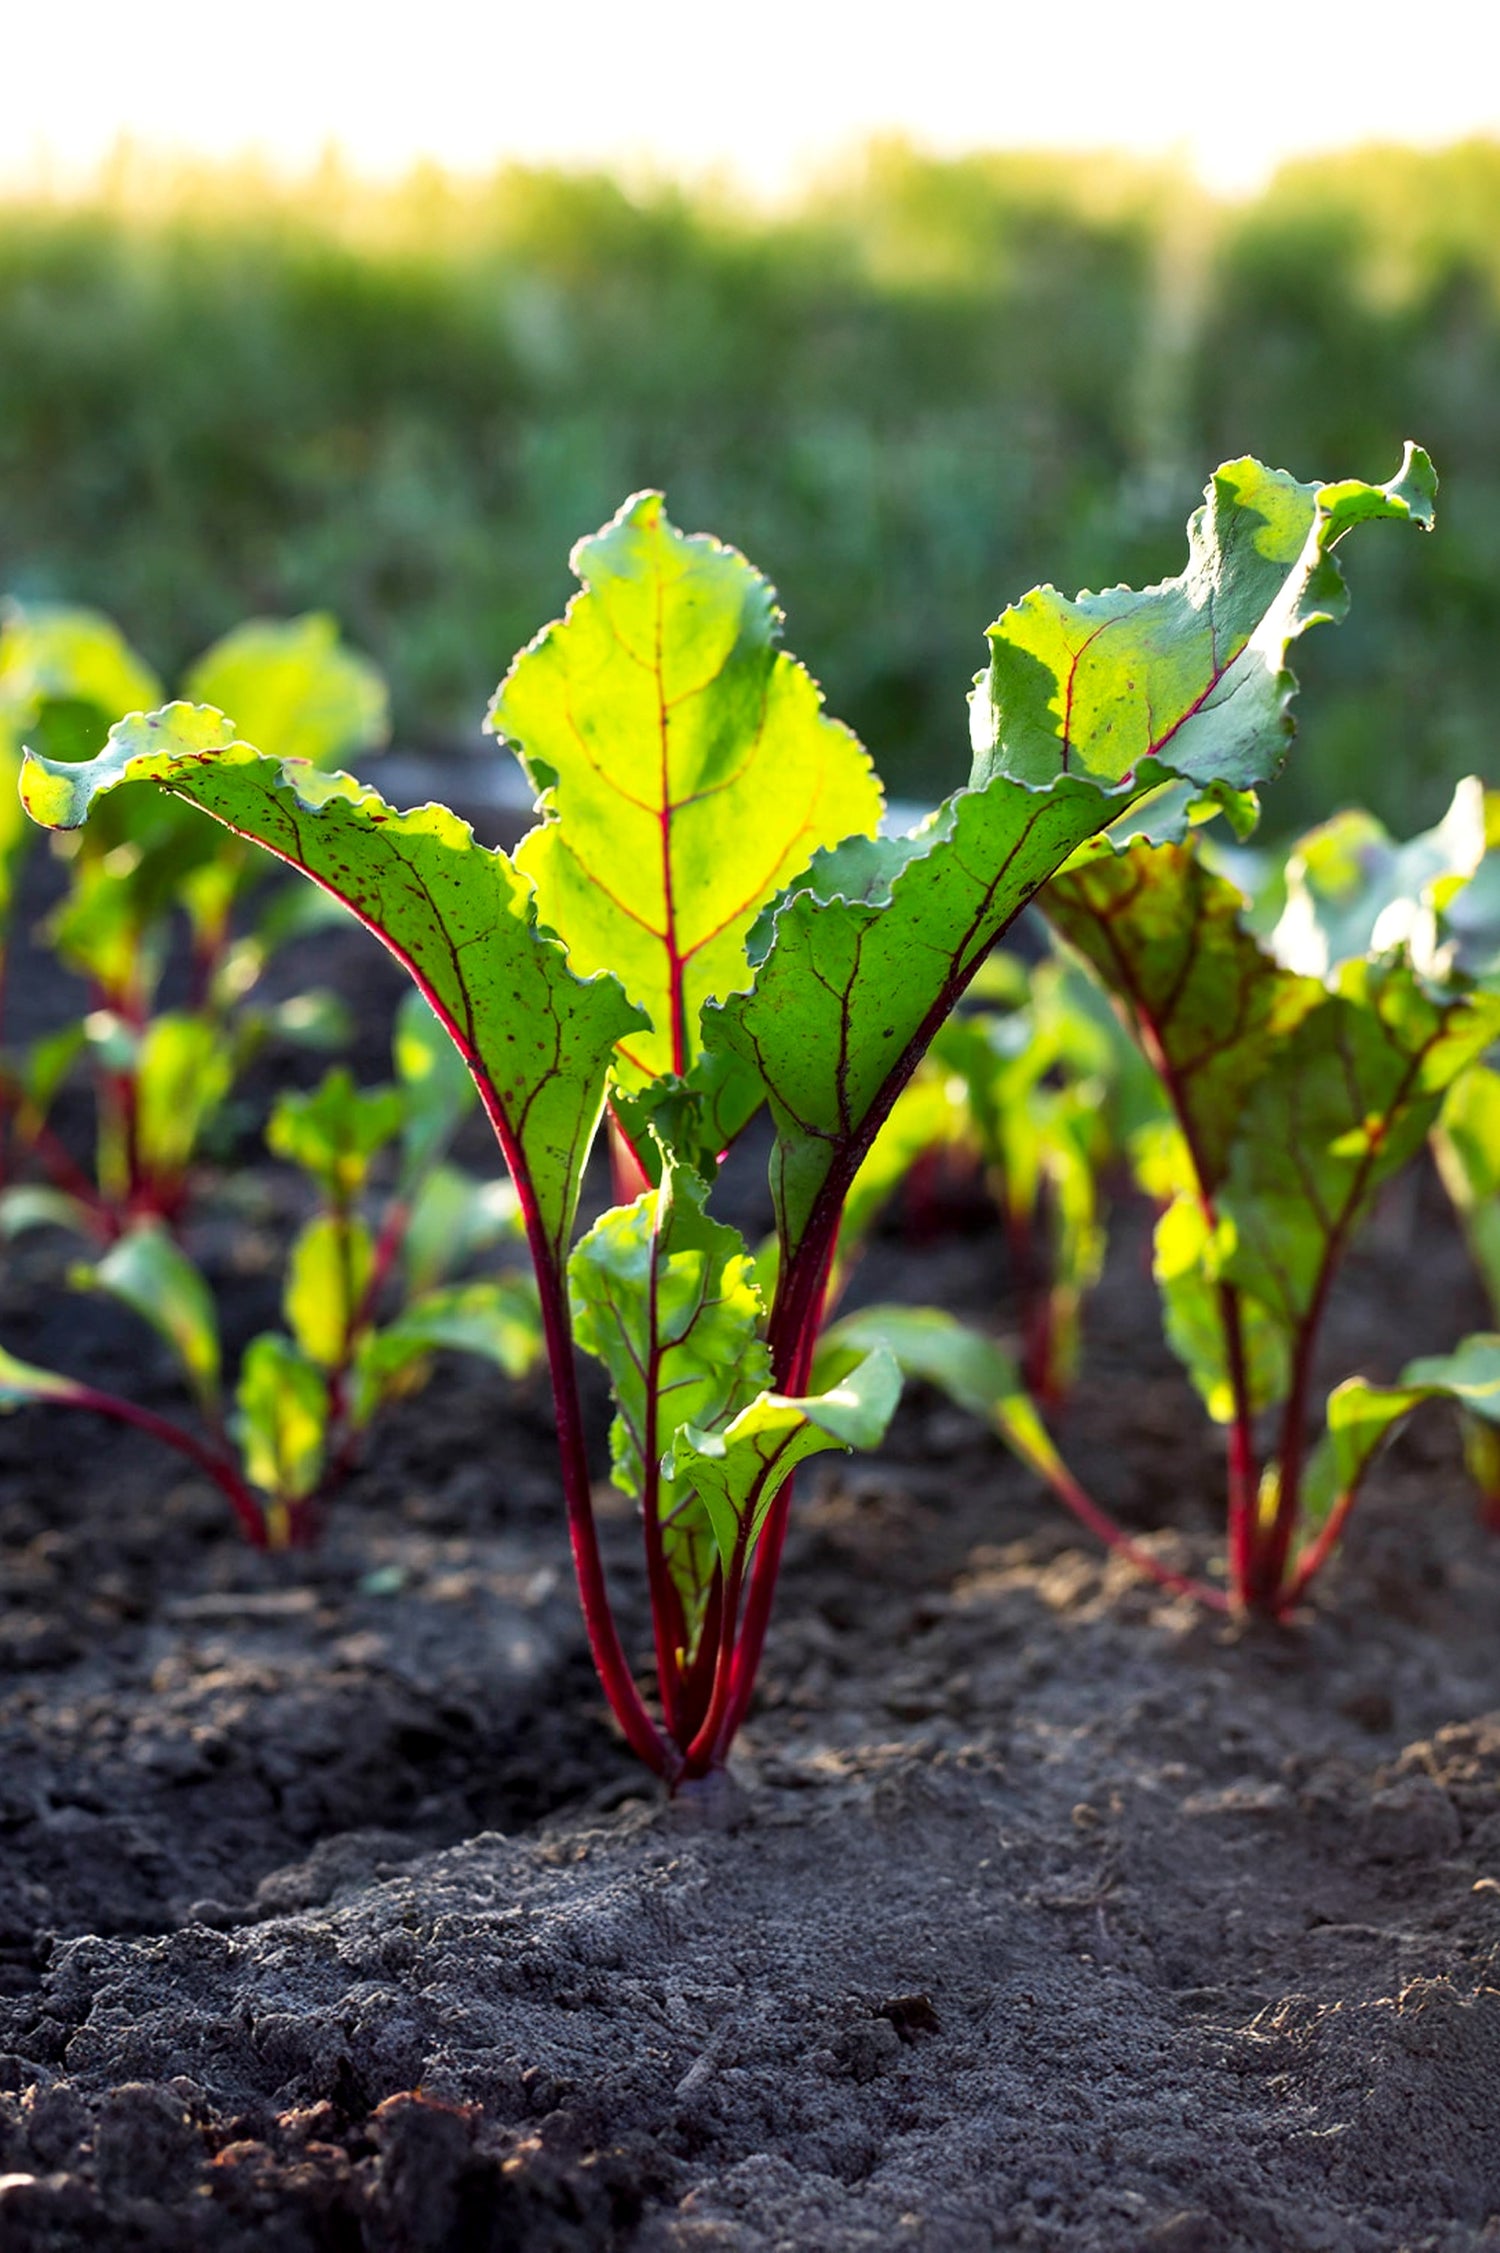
(159, 1076)
(365, 1298)
(703, 920)
(1350, 885)
(1290, 1101)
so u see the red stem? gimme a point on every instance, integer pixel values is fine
(1243, 1471)
(1316, 1554)
(1266, 1592)
(69, 1176)
(1244, 1476)
(240, 1498)
(698, 1683)
(792, 1336)
(710, 1744)
(1088, 1512)
(668, 1626)
(625, 1701)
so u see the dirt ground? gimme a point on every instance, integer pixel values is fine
(1053, 1914)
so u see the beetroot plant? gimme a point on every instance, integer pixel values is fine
(1290, 1100)
(705, 918)
(367, 1298)
(159, 1076)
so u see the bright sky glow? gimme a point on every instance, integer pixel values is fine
(764, 93)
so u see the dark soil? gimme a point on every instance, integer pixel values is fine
(1054, 1914)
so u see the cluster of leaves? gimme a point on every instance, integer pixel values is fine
(367, 1297)
(1299, 1067)
(160, 1076)
(706, 919)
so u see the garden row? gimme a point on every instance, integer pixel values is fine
(707, 924)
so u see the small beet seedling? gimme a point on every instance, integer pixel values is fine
(159, 1076)
(1289, 1101)
(1350, 886)
(704, 920)
(366, 1298)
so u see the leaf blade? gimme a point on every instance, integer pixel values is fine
(537, 1038)
(675, 742)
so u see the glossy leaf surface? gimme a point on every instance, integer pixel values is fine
(1208, 1006)
(667, 1299)
(328, 1273)
(153, 1276)
(460, 917)
(738, 1472)
(1352, 890)
(1467, 1146)
(334, 1130)
(688, 769)
(1361, 1416)
(1192, 672)
(864, 958)
(1344, 1103)
(282, 1420)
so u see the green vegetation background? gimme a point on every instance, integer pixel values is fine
(930, 386)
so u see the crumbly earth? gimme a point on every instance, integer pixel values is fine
(1047, 1911)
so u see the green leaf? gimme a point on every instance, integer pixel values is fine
(154, 1277)
(1203, 999)
(696, 1115)
(31, 1204)
(1193, 672)
(738, 1472)
(1466, 1143)
(1470, 1374)
(666, 1298)
(500, 1320)
(1188, 1262)
(453, 1216)
(55, 654)
(867, 953)
(1470, 917)
(183, 1071)
(439, 1092)
(1351, 890)
(973, 1372)
(44, 1069)
(291, 689)
(282, 1421)
(686, 765)
(22, 1385)
(865, 956)
(1360, 1415)
(334, 1132)
(1342, 1105)
(328, 1273)
(460, 917)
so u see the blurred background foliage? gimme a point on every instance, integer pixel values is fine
(928, 386)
